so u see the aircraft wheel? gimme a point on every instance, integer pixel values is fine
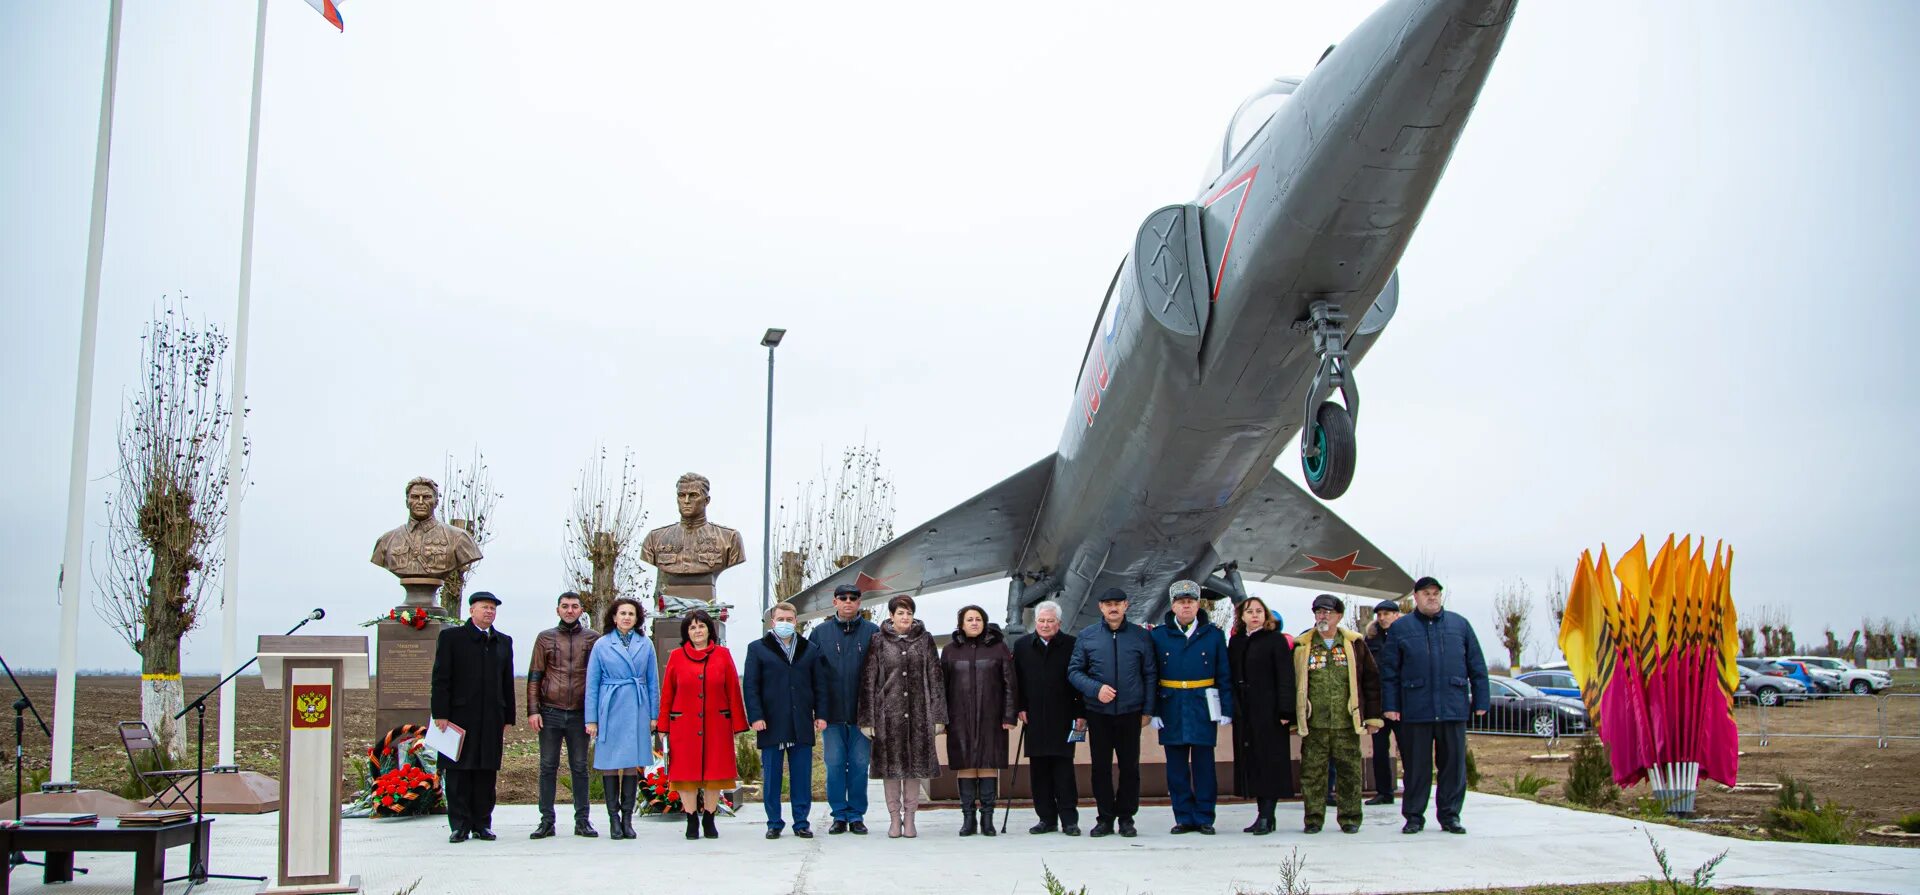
(1330, 471)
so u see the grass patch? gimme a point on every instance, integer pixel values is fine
(1909, 823)
(1798, 817)
(1590, 777)
(1054, 886)
(1528, 784)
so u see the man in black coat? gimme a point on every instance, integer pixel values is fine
(473, 690)
(1050, 708)
(1384, 615)
(785, 690)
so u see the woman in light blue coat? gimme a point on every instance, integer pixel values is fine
(623, 698)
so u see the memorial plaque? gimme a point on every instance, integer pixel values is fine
(403, 675)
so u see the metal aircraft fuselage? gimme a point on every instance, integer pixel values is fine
(1171, 430)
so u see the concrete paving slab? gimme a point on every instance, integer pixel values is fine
(1510, 842)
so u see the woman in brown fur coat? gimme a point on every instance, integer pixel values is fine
(903, 705)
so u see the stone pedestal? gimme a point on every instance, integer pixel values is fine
(403, 676)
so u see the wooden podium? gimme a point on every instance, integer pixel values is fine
(314, 673)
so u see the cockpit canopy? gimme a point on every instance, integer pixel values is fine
(1248, 120)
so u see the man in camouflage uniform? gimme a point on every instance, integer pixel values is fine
(1338, 700)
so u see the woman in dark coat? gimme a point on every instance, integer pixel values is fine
(1261, 656)
(700, 709)
(903, 705)
(978, 669)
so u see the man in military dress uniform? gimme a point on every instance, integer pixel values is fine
(424, 550)
(693, 553)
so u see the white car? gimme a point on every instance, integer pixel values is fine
(1858, 681)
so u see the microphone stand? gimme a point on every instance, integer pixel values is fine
(199, 873)
(21, 706)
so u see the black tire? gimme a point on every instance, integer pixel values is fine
(1767, 696)
(1329, 473)
(1862, 688)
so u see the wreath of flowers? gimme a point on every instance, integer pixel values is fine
(397, 782)
(656, 793)
(416, 619)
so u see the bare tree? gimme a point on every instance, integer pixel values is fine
(168, 510)
(1745, 630)
(468, 506)
(1910, 640)
(1512, 607)
(1776, 630)
(603, 536)
(833, 520)
(1557, 599)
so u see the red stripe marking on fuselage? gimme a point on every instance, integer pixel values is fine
(1243, 183)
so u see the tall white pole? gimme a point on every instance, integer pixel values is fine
(237, 420)
(71, 570)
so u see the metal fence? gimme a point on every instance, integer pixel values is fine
(1884, 718)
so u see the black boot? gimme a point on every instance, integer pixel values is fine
(693, 817)
(989, 790)
(969, 794)
(611, 784)
(706, 824)
(629, 801)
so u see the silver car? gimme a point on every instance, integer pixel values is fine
(1767, 689)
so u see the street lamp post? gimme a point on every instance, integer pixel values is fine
(772, 341)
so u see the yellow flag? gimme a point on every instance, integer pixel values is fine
(1580, 626)
(1729, 620)
(1659, 597)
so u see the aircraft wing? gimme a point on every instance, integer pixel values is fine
(1284, 536)
(978, 540)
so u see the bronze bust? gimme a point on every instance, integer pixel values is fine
(691, 554)
(424, 551)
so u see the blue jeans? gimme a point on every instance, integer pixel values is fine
(1191, 784)
(799, 774)
(848, 753)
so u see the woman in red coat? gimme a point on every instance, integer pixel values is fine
(700, 710)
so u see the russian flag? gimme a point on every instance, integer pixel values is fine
(331, 10)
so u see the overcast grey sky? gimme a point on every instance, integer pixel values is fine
(1664, 286)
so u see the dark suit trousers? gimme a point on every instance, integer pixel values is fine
(1383, 758)
(1056, 794)
(1422, 746)
(469, 797)
(1108, 735)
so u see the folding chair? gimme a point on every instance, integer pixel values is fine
(165, 788)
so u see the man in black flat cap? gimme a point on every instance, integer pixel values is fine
(473, 690)
(1114, 669)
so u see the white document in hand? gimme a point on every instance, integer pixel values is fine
(446, 742)
(1213, 703)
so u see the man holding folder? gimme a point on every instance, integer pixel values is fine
(1196, 699)
(473, 692)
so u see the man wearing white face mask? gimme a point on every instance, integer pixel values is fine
(785, 691)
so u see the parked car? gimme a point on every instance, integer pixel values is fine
(1858, 681)
(1824, 680)
(1781, 669)
(1767, 689)
(1553, 682)
(1517, 707)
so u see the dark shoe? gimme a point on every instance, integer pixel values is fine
(989, 789)
(967, 824)
(1100, 828)
(542, 831)
(986, 822)
(1382, 799)
(838, 827)
(802, 833)
(610, 783)
(1042, 827)
(1126, 828)
(458, 836)
(1255, 827)
(1203, 829)
(1453, 827)
(1266, 827)
(1184, 828)
(1349, 828)
(857, 827)
(1070, 829)
(773, 834)
(629, 803)
(969, 796)
(585, 830)
(1311, 827)
(1413, 826)
(487, 835)
(693, 825)
(706, 825)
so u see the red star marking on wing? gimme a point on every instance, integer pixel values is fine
(1339, 567)
(867, 583)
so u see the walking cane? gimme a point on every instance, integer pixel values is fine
(1022, 747)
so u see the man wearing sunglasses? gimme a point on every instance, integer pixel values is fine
(842, 643)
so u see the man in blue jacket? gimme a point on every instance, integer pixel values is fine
(842, 640)
(1196, 698)
(1431, 675)
(1114, 669)
(786, 701)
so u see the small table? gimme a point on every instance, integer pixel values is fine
(148, 843)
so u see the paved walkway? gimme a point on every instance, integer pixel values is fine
(1511, 842)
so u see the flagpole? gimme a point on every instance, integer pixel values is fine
(70, 564)
(237, 412)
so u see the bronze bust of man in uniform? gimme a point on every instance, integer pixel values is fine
(691, 554)
(424, 551)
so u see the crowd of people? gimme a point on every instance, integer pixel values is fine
(879, 698)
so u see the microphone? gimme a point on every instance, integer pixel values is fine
(317, 615)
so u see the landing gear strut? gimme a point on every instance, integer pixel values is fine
(1327, 444)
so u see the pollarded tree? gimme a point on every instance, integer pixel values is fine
(168, 509)
(603, 536)
(1512, 608)
(469, 506)
(835, 519)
